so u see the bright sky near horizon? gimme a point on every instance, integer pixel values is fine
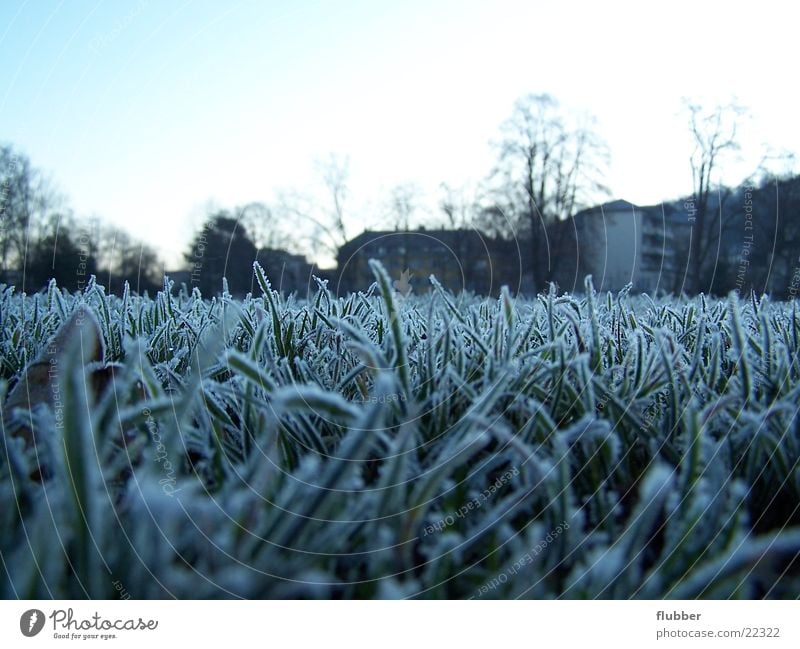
(144, 111)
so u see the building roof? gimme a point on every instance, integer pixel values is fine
(671, 211)
(617, 205)
(440, 234)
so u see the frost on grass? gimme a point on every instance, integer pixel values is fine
(438, 446)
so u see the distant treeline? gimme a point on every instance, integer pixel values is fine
(41, 239)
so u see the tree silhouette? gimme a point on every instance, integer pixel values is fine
(26, 202)
(122, 258)
(59, 255)
(222, 248)
(548, 168)
(714, 133)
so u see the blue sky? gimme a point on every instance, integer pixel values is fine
(144, 111)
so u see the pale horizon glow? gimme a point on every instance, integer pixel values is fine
(144, 112)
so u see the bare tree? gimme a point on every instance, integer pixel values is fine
(59, 248)
(264, 226)
(403, 204)
(121, 258)
(549, 166)
(27, 200)
(335, 172)
(459, 205)
(714, 134)
(319, 221)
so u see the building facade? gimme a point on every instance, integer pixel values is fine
(461, 260)
(624, 243)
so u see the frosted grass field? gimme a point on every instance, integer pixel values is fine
(430, 446)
